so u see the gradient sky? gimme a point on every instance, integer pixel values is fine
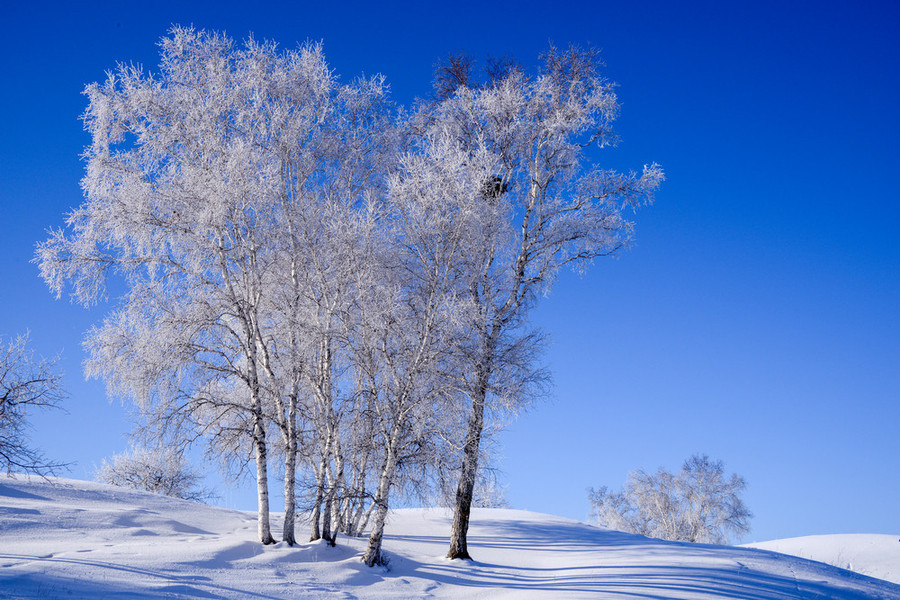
(757, 317)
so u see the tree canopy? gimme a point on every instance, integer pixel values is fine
(302, 257)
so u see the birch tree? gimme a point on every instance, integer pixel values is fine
(183, 188)
(552, 207)
(329, 176)
(331, 142)
(409, 319)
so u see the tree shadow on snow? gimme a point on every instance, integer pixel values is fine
(101, 579)
(627, 565)
(11, 492)
(651, 582)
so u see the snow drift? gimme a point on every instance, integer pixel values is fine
(75, 539)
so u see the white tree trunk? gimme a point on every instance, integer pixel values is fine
(316, 516)
(372, 555)
(262, 482)
(290, 475)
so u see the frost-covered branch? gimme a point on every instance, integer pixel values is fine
(26, 383)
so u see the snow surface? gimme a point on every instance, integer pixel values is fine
(76, 539)
(870, 554)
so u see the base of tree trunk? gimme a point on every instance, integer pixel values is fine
(462, 555)
(378, 560)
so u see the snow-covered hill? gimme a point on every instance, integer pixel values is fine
(870, 554)
(75, 539)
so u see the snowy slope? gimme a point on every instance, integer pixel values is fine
(870, 554)
(76, 539)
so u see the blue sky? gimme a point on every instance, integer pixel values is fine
(757, 317)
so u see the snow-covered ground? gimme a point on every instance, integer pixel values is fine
(870, 554)
(75, 539)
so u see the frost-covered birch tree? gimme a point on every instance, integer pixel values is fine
(331, 143)
(185, 183)
(410, 315)
(329, 175)
(552, 206)
(174, 204)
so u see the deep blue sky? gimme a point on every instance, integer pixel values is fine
(757, 318)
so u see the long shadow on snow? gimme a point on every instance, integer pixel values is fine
(11, 492)
(40, 585)
(524, 535)
(43, 586)
(651, 582)
(640, 581)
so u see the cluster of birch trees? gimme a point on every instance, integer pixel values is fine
(310, 273)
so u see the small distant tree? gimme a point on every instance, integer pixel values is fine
(26, 383)
(489, 491)
(698, 504)
(161, 471)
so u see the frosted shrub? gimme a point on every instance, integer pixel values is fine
(162, 471)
